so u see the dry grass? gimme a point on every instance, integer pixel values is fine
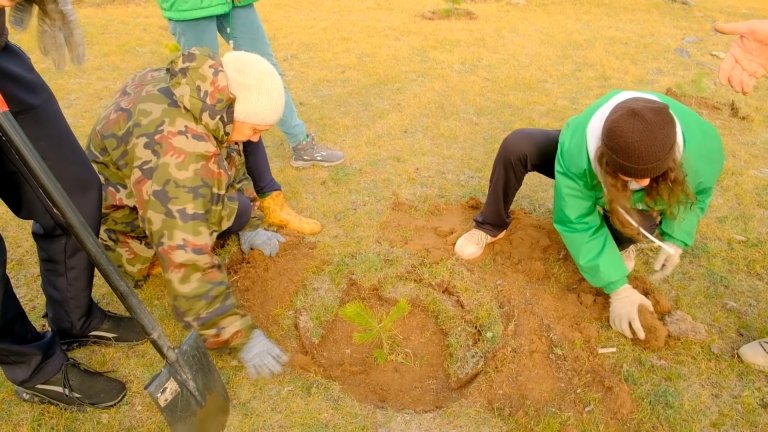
(420, 107)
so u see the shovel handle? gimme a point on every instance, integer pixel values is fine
(61, 204)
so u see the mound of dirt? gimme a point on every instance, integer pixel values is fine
(541, 353)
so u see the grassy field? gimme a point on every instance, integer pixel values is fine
(420, 107)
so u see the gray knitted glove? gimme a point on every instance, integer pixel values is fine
(268, 242)
(262, 357)
(58, 32)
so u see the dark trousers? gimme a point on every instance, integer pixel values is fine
(257, 167)
(521, 152)
(28, 357)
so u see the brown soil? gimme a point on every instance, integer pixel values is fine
(547, 354)
(415, 379)
(705, 105)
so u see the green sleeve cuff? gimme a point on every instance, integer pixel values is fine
(615, 285)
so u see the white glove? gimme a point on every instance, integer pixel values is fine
(262, 357)
(268, 242)
(624, 304)
(666, 261)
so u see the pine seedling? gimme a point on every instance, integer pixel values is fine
(373, 328)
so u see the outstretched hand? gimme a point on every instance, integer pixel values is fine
(747, 59)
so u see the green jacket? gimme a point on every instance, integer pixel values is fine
(579, 193)
(184, 10)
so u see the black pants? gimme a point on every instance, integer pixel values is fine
(257, 167)
(521, 152)
(26, 356)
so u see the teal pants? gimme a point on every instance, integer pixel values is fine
(243, 29)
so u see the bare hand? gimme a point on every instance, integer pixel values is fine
(8, 3)
(747, 60)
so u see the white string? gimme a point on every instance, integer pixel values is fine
(658, 242)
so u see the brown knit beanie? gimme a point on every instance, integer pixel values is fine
(639, 137)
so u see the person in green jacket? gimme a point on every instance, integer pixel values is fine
(631, 164)
(197, 23)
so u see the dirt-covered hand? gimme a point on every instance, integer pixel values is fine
(262, 357)
(624, 314)
(747, 59)
(268, 242)
(666, 261)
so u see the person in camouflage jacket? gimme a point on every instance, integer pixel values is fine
(173, 180)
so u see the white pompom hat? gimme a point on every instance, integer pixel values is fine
(258, 88)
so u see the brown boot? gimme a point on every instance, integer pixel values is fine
(278, 214)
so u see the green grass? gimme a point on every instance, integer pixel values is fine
(420, 107)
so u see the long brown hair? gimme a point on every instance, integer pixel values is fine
(664, 196)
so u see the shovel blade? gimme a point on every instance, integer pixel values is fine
(182, 408)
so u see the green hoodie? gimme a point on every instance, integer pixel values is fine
(579, 193)
(184, 10)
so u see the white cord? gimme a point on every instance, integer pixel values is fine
(645, 233)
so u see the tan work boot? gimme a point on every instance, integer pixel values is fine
(278, 214)
(755, 354)
(628, 255)
(472, 244)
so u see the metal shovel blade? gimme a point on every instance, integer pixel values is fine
(180, 406)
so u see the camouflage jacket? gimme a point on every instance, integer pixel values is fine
(171, 179)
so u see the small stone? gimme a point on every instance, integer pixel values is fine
(718, 54)
(731, 306)
(691, 39)
(682, 52)
(739, 238)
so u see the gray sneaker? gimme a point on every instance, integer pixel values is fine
(309, 152)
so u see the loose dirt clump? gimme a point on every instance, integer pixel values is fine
(682, 326)
(705, 105)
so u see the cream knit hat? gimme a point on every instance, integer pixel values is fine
(258, 88)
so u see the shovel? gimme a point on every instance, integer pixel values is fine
(188, 391)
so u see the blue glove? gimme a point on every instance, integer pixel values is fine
(267, 242)
(262, 357)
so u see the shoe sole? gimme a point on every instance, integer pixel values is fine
(305, 164)
(34, 397)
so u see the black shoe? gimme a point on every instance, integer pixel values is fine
(116, 330)
(74, 386)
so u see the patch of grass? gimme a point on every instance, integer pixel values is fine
(420, 109)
